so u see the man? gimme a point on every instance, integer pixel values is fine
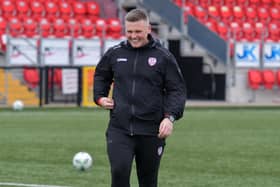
(148, 95)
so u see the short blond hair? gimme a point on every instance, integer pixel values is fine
(137, 15)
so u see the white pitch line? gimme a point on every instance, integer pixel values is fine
(27, 185)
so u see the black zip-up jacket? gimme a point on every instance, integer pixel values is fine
(147, 85)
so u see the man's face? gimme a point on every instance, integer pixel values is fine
(137, 33)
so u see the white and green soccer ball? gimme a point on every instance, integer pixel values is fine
(82, 161)
(18, 105)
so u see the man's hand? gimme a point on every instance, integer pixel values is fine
(165, 128)
(106, 102)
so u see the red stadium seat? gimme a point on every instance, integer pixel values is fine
(52, 10)
(58, 77)
(87, 28)
(65, 10)
(276, 2)
(100, 27)
(16, 28)
(278, 77)
(3, 26)
(30, 27)
(251, 14)
(55, 77)
(31, 76)
(204, 3)
(260, 30)
(222, 30)
(114, 28)
(248, 31)
(226, 14)
(74, 28)
(236, 31)
(211, 24)
(254, 79)
(266, 3)
(254, 3)
(37, 10)
(213, 11)
(45, 27)
(275, 14)
(23, 9)
(200, 13)
(79, 10)
(268, 79)
(93, 10)
(242, 2)
(217, 3)
(273, 31)
(59, 28)
(7, 9)
(263, 14)
(238, 14)
(229, 2)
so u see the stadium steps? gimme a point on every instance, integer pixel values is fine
(12, 89)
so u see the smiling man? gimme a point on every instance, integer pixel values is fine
(148, 96)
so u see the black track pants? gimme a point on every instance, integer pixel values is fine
(122, 149)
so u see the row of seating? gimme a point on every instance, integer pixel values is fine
(236, 13)
(266, 78)
(49, 9)
(111, 27)
(32, 77)
(236, 20)
(246, 30)
(205, 3)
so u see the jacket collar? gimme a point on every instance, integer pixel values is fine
(152, 43)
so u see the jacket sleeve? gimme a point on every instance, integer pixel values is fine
(175, 89)
(103, 78)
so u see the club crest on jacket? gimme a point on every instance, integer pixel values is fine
(152, 61)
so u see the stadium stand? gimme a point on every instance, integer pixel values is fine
(55, 19)
(252, 16)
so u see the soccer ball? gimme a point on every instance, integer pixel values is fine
(82, 161)
(18, 105)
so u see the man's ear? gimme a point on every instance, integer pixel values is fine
(149, 28)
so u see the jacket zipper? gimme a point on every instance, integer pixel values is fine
(133, 92)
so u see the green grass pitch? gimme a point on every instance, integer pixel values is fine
(209, 148)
